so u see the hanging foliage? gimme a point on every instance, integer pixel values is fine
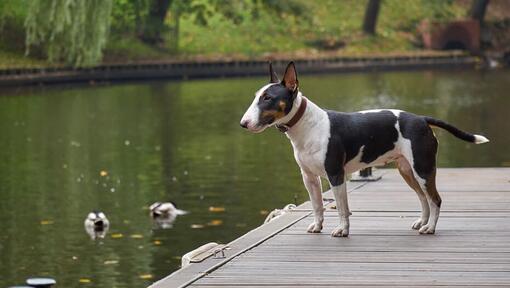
(70, 31)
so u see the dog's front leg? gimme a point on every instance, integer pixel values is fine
(313, 185)
(342, 205)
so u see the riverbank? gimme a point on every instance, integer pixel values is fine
(228, 67)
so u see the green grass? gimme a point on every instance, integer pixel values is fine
(18, 60)
(326, 21)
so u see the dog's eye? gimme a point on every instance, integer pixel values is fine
(265, 97)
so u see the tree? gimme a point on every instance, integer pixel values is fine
(155, 22)
(233, 10)
(478, 9)
(371, 13)
(72, 31)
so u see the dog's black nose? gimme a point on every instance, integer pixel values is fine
(244, 124)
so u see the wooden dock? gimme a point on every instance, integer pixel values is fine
(471, 247)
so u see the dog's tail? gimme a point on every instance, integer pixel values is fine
(473, 138)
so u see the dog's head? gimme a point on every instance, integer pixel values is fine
(273, 101)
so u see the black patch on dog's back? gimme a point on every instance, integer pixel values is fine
(350, 131)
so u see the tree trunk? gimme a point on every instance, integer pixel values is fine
(478, 9)
(154, 23)
(371, 13)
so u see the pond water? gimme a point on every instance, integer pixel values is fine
(67, 150)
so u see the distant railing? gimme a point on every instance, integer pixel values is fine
(226, 68)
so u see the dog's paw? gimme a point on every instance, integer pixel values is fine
(427, 229)
(314, 228)
(418, 224)
(340, 231)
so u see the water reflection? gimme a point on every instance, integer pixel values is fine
(182, 141)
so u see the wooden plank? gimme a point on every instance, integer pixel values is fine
(470, 247)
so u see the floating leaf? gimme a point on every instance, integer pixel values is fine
(197, 226)
(216, 209)
(46, 222)
(84, 280)
(263, 212)
(157, 242)
(103, 173)
(215, 222)
(145, 276)
(177, 257)
(136, 236)
(110, 262)
(117, 235)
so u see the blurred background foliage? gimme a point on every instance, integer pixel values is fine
(82, 33)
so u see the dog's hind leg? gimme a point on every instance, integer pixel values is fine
(423, 163)
(407, 173)
(434, 202)
(314, 188)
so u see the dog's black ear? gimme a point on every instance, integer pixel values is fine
(290, 78)
(274, 78)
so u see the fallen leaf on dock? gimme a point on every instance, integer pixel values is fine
(196, 226)
(46, 222)
(215, 222)
(84, 280)
(136, 236)
(146, 276)
(117, 235)
(216, 209)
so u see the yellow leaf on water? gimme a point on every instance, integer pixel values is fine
(264, 212)
(84, 280)
(216, 209)
(117, 235)
(215, 222)
(136, 236)
(46, 222)
(103, 173)
(197, 226)
(157, 242)
(145, 276)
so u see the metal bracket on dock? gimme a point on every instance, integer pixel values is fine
(365, 175)
(219, 253)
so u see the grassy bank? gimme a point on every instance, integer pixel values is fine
(331, 27)
(328, 27)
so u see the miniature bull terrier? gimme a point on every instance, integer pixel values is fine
(332, 144)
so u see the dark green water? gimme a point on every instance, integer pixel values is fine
(181, 141)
